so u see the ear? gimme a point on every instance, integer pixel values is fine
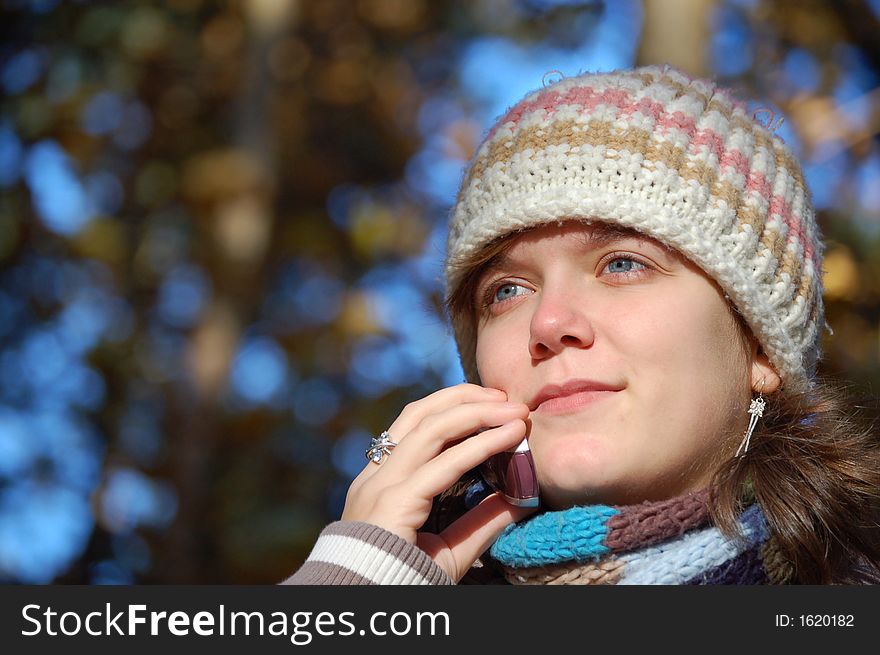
(764, 376)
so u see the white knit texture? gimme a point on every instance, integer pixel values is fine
(370, 562)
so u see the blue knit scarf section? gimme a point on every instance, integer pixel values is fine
(577, 537)
(576, 534)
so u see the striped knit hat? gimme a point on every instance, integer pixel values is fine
(675, 158)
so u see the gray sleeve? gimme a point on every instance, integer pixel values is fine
(356, 553)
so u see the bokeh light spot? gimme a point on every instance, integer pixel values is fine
(259, 371)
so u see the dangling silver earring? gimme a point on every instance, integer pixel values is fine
(756, 409)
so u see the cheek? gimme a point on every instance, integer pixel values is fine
(500, 349)
(691, 356)
(685, 331)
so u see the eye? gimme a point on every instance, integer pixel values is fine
(499, 292)
(505, 291)
(625, 265)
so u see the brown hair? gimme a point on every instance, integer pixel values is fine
(813, 465)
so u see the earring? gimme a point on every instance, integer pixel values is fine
(756, 409)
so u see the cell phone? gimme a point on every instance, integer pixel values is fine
(512, 474)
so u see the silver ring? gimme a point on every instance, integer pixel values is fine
(379, 447)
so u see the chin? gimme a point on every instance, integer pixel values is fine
(576, 483)
(573, 454)
(579, 468)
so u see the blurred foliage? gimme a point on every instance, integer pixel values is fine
(221, 229)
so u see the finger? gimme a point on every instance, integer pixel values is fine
(437, 432)
(404, 504)
(474, 532)
(416, 411)
(443, 471)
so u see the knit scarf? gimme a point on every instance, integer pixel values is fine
(670, 542)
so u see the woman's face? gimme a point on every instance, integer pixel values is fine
(575, 303)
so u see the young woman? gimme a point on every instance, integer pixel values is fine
(634, 281)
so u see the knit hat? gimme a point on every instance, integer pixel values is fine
(676, 158)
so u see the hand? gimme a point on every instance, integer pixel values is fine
(434, 450)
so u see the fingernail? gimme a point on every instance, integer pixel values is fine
(496, 392)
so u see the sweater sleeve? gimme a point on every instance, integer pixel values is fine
(356, 553)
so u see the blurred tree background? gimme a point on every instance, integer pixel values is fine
(222, 227)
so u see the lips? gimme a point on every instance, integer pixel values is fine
(569, 388)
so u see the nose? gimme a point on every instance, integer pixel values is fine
(559, 321)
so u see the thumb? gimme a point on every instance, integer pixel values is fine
(470, 536)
